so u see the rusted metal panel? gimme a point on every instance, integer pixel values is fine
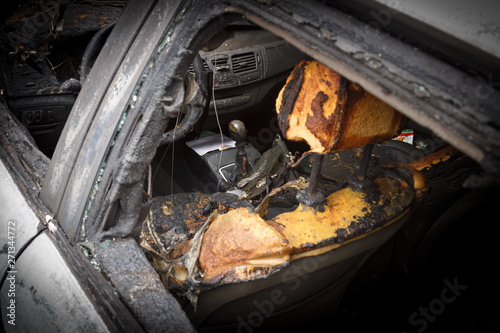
(439, 156)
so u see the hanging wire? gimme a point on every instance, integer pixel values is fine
(216, 113)
(173, 157)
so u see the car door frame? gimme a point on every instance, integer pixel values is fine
(29, 278)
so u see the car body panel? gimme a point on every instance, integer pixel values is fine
(464, 33)
(42, 277)
(47, 284)
(21, 167)
(19, 222)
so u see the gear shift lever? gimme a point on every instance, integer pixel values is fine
(238, 132)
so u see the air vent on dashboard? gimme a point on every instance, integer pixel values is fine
(220, 62)
(244, 62)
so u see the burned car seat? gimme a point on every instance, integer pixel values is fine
(291, 252)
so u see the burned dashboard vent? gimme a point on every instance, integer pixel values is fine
(244, 62)
(220, 62)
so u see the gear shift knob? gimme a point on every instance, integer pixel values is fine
(238, 131)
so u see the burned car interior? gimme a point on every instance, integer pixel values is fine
(274, 209)
(242, 165)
